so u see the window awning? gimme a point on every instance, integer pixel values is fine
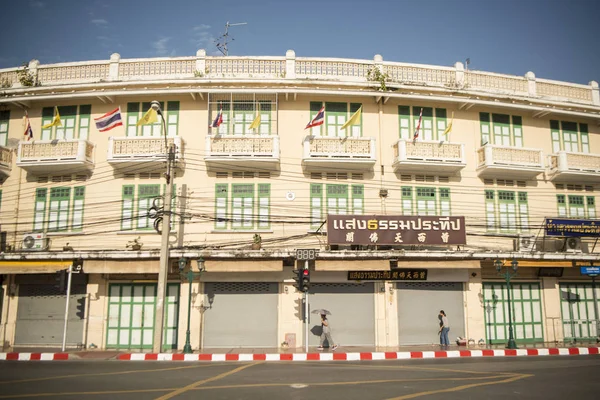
(244, 266)
(33, 267)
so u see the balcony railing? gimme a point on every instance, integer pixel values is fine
(430, 156)
(581, 167)
(339, 152)
(494, 161)
(5, 162)
(242, 151)
(48, 156)
(151, 152)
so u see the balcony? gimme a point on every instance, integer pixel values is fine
(238, 152)
(580, 167)
(142, 153)
(68, 156)
(494, 161)
(428, 156)
(354, 153)
(5, 162)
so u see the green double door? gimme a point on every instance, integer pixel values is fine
(526, 312)
(578, 311)
(131, 313)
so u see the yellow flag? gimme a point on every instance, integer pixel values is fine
(55, 120)
(149, 118)
(256, 123)
(354, 119)
(449, 127)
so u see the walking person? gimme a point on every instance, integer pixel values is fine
(444, 329)
(326, 333)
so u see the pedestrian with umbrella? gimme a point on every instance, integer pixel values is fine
(325, 330)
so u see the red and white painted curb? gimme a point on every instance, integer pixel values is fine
(329, 356)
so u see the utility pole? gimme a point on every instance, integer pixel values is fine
(163, 271)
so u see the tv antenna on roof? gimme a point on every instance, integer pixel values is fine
(225, 38)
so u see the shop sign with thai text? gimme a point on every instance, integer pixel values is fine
(399, 274)
(395, 230)
(572, 227)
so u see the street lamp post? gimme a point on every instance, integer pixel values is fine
(187, 348)
(507, 275)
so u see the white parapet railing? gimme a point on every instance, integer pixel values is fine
(564, 161)
(236, 146)
(335, 69)
(42, 152)
(420, 74)
(340, 148)
(486, 81)
(495, 155)
(123, 149)
(562, 90)
(244, 67)
(429, 151)
(5, 159)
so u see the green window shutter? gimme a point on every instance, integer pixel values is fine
(426, 132)
(172, 118)
(146, 196)
(315, 107)
(243, 115)
(78, 203)
(585, 140)
(440, 121)
(58, 213)
(316, 205)
(555, 135)
(68, 119)
(507, 211)
(154, 129)
(570, 136)
(404, 118)
(84, 122)
(490, 210)
(355, 130)
(337, 199)
(576, 207)
(501, 129)
(242, 206)
(445, 201)
(358, 199)
(523, 212)
(264, 205)
(39, 218)
(336, 115)
(133, 116)
(47, 115)
(426, 202)
(517, 129)
(591, 207)
(407, 200)
(264, 108)
(561, 202)
(484, 124)
(221, 206)
(4, 119)
(127, 207)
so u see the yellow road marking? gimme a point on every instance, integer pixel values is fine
(203, 381)
(21, 396)
(99, 374)
(459, 388)
(417, 368)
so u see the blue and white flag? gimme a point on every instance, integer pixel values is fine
(109, 120)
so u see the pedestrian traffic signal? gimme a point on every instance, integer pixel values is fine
(80, 313)
(60, 279)
(305, 280)
(297, 279)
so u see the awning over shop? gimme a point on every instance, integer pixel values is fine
(352, 265)
(121, 267)
(244, 266)
(33, 267)
(538, 264)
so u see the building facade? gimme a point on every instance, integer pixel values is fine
(505, 152)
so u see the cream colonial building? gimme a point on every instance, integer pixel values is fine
(521, 149)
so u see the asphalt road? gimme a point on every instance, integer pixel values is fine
(545, 378)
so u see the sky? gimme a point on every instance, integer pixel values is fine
(556, 39)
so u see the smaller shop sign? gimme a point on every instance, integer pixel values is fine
(400, 274)
(590, 271)
(572, 227)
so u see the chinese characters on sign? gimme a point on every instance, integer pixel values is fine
(401, 274)
(572, 227)
(395, 230)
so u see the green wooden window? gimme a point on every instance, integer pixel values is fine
(136, 110)
(172, 118)
(68, 119)
(316, 205)
(490, 209)
(523, 212)
(426, 132)
(507, 211)
(561, 202)
(517, 131)
(440, 121)
(127, 208)
(358, 199)
(146, 196)
(555, 135)
(84, 121)
(576, 206)
(4, 119)
(315, 107)
(264, 205)
(58, 213)
(591, 206)
(154, 129)
(484, 124)
(570, 136)
(47, 115)
(585, 140)
(221, 206)
(242, 206)
(501, 129)
(444, 201)
(78, 203)
(354, 130)
(404, 118)
(425, 200)
(407, 200)
(526, 311)
(577, 309)
(337, 199)
(133, 116)
(39, 218)
(243, 115)
(336, 115)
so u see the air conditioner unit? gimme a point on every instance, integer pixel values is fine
(549, 245)
(573, 245)
(524, 243)
(35, 241)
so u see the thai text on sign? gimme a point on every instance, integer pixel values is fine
(572, 227)
(400, 274)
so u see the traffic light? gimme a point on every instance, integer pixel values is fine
(305, 280)
(60, 278)
(299, 309)
(77, 265)
(298, 279)
(80, 313)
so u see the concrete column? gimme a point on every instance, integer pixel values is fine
(201, 61)
(460, 74)
(290, 64)
(595, 93)
(290, 307)
(531, 86)
(113, 71)
(551, 311)
(391, 307)
(378, 59)
(474, 307)
(97, 290)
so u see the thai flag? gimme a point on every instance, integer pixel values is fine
(218, 120)
(109, 120)
(318, 119)
(416, 135)
(28, 131)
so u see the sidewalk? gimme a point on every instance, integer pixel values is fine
(351, 353)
